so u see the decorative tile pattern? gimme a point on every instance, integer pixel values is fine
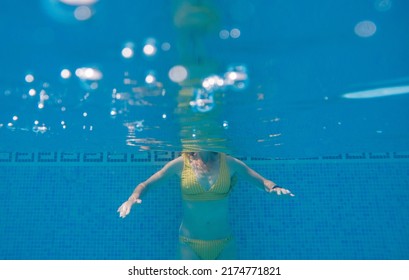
(159, 157)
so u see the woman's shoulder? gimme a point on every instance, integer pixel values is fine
(178, 161)
(175, 165)
(233, 163)
(232, 160)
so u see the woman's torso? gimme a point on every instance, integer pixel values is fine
(205, 219)
(205, 212)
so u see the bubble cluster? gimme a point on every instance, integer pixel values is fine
(203, 101)
(88, 73)
(213, 83)
(235, 78)
(81, 82)
(40, 128)
(149, 49)
(133, 93)
(225, 34)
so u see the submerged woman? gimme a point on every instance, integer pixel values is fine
(206, 181)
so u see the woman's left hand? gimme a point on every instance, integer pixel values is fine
(278, 190)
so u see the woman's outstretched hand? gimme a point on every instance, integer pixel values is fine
(125, 208)
(271, 187)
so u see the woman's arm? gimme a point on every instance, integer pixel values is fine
(240, 168)
(171, 168)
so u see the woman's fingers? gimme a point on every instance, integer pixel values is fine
(281, 191)
(125, 208)
(288, 192)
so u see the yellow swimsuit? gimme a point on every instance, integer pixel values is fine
(193, 191)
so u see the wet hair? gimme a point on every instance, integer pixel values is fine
(193, 153)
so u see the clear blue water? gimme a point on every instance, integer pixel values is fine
(74, 144)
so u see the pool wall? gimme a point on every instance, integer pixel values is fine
(62, 205)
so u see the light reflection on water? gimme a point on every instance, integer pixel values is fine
(173, 93)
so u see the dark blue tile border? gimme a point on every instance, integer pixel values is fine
(47, 157)
(24, 157)
(6, 156)
(93, 157)
(160, 157)
(70, 157)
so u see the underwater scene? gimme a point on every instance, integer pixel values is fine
(97, 96)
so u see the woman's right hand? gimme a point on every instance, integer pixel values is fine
(125, 208)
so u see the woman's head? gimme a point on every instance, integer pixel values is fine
(201, 153)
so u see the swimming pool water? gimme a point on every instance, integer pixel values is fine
(66, 81)
(311, 95)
